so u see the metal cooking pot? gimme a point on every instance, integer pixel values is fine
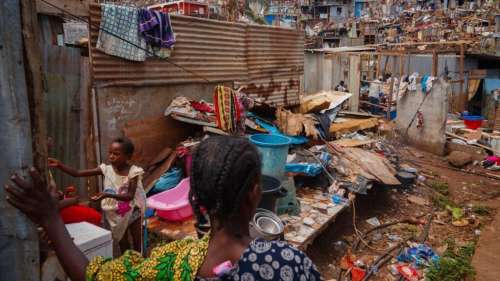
(266, 225)
(271, 191)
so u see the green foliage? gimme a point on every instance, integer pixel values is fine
(481, 210)
(441, 187)
(443, 202)
(454, 265)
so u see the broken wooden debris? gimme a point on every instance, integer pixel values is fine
(354, 162)
(353, 142)
(349, 125)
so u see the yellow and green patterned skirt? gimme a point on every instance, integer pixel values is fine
(176, 261)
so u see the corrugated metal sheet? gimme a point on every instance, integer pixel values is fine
(275, 58)
(61, 70)
(213, 50)
(19, 252)
(266, 61)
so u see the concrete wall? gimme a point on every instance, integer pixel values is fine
(119, 105)
(322, 73)
(434, 107)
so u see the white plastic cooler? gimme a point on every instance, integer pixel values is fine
(91, 240)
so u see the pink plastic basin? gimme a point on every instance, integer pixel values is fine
(173, 204)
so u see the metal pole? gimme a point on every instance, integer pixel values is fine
(19, 254)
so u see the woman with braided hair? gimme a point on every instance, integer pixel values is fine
(225, 179)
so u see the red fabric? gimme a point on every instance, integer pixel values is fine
(201, 106)
(79, 213)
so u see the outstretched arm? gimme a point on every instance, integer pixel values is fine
(34, 200)
(67, 202)
(54, 163)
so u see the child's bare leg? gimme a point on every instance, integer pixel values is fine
(136, 231)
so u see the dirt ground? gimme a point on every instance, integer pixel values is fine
(473, 192)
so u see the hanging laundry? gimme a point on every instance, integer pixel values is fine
(412, 82)
(227, 109)
(403, 87)
(157, 30)
(427, 83)
(118, 33)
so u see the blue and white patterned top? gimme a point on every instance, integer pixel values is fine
(119, 33)
(271, 260)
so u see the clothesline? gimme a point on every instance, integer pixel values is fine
(126, 41)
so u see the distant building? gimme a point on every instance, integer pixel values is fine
(332, 10)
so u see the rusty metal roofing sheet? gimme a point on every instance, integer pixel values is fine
(213, 50)
(256, 57)
(275, 58)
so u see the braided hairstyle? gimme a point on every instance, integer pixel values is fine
(224, 170)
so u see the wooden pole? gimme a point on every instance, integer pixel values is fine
(33, 70)
(379, 65)
(435, 63)
(389, 98)
(401, 65)
(462, 98)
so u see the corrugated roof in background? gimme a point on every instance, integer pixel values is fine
(267, 61)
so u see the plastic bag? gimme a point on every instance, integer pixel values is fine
(167, 181)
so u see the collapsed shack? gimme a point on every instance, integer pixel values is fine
(416, 84)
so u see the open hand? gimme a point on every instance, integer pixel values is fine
(54, 163)
(98, 196)
(32, 198)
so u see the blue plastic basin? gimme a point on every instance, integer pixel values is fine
(473, 117)
(273, 151)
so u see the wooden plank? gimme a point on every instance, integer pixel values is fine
(323, 217)
(379, 65)
(352, 125)
(353, 142)
(356, 114)
(435, 63)
(354, 81)
(33, 69)
(78, 8)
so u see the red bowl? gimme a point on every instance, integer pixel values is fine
(473, 124)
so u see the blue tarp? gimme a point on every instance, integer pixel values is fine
(167, 181)
(275, 131)
(309, 169)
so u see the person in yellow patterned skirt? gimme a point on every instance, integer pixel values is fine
(225, 186)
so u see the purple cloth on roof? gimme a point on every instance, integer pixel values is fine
(156, 28)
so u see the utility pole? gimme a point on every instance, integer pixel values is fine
(19, 253)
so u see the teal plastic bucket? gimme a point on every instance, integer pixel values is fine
(273, 151)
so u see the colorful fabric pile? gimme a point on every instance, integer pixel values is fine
(227, 109)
